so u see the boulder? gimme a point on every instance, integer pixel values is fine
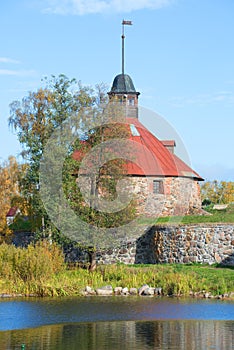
(118, 290)
(206, 295)
(133, 291)
(125, 291)
(105, 290)
(220, 206)
(158, 291)
(142, 289)
(89, 290)
(149, 291)
(5, 295)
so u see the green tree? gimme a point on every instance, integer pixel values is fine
(56, 109)
(36, 117)
(103, 183)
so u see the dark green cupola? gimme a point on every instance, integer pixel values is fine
(123, 84)
(123, 90)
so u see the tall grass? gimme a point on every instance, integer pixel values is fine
(173, 279)
(41, 270)
(34, 263)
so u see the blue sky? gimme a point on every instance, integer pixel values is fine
(179, 53)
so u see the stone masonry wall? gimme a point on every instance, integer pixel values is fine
(181, 196)
(210, 244)
(202, 243)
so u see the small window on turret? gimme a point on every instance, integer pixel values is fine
(131, 102)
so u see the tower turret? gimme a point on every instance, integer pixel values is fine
(123, 90)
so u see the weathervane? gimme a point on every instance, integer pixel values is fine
(129, 23)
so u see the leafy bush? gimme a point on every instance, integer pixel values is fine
(37, 262)
(7, 257)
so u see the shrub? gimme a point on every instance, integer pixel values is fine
(36, 262)
(7, 253)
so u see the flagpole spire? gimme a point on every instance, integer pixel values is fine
(123, 37)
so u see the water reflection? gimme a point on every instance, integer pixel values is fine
(19, 314)
(202, 335)
(116, 323)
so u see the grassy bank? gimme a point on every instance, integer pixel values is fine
(40, 270)
(215, 216)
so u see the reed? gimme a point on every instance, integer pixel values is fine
(34, 263)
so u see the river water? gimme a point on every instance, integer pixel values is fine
(98, 323)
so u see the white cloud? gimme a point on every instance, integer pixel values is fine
(82, 7)
(8, 60)
(17, 72)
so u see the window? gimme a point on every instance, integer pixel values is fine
(158, 187)
(131, 102)
(134, 130)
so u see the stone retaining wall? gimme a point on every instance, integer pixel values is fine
(213, 243)
(203, 243)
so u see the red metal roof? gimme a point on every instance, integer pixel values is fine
(154, 158)
(12, 211)
(151, 156)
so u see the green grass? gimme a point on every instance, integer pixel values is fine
(41, 270)
(173, 279)
(217, 216)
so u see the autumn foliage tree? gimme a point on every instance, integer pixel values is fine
(34, 119)
(11, 173)
(218, 192)
(37, 117)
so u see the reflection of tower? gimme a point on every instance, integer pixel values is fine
(123, 90)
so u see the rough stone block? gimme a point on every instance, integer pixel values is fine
(133, 291)
(158, 291)
(89, 289)
(149, 291)
(105, 290)
(217, 258)
(125, 291)
(118, 290)
(142, 289)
